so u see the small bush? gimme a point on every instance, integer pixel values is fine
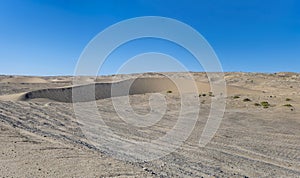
(257, 104)
(210, 94)
(288, 105)
(169, 91)
(265, 104)
(288, 99)
(203, 94)
(247, 100)
(236, 97)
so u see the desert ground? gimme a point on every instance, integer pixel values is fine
(259, 135)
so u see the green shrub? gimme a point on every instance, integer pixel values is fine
(257, 104)
(288, 105)
(265, 104)
(247, 100)
(236, 96)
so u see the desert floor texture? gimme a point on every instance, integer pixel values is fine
(259, 135)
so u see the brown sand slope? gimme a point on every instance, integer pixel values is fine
(121, 88)
(102, 90)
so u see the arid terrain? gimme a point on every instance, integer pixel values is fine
(259, 135)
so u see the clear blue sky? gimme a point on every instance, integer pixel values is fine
(47, 37)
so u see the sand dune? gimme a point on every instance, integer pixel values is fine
(121, 88)
(103, 90)
(43, 138)
(24, 80)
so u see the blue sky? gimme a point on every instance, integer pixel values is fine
(47, 37)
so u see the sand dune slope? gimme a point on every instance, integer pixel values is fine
(143, 85)
(24, 80)
(103, 90)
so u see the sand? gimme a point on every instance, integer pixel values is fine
(41, 137)
(21, 79)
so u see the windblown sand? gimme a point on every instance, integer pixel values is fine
(40, 136)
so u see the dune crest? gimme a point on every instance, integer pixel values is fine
(105, 90)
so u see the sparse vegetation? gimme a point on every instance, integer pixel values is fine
(257, 104)
(288, 105)
(169, 91)
(288, 99)
(236, 96)
(204, 94)
(210, 94)
(247, 100)
(265, 104)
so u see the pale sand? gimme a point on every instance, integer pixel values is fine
(41, 137)
(21, 79)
